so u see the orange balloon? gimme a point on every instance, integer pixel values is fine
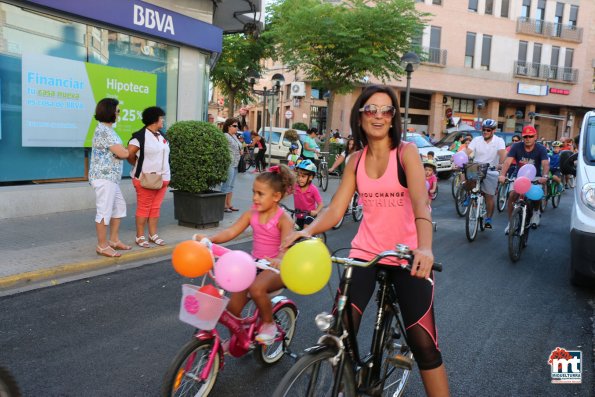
(191, 259)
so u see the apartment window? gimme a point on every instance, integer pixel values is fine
(486, 50)
(472, 5)
(489, 10)
(523, 51)
(593, 84)
(504, 7)
(537, 53)
(435, 35)
(469, 49)
(573, 16)
(461, 105)
(526, 9)
(568, 58)
(437, 2)
(558, 18)
(554, 62)
(539, 16)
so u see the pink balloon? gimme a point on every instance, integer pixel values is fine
(235, 271)
(460, 158)
(522, 185)
(528, 171)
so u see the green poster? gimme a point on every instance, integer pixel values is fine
(135, 91)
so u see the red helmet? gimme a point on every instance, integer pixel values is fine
(529, 130)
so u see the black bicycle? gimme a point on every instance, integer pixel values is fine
(8, 385)
(307, 219)
(249, 159)
(520, 224)
(333, 367)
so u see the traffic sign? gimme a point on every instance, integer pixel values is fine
(289, 115)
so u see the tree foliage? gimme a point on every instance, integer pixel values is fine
(239, 56)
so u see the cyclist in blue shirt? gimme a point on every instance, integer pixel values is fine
(555, 164)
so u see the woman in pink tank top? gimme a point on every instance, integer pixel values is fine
(390, 179)
(270, 224)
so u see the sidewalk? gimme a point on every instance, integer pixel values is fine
(44, 248)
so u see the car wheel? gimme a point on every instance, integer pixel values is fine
(444, 175)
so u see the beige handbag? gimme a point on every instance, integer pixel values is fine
(152, 180)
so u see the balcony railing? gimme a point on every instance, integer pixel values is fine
(540, 71)
(538, 27)
(434, 56)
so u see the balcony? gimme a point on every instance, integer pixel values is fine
(541, 71)
(434, 56)
(541, 28)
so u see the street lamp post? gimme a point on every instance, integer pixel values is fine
(410, 61)
(277, 80)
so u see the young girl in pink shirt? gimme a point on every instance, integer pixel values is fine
(270, 224)
(306, 196)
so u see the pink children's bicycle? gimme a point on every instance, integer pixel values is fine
(194, 370)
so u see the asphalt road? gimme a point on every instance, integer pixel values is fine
(115, 334)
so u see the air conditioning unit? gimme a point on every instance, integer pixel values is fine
(298, 89)
(446, 100)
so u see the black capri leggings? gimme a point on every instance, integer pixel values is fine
(259, 160)
(415, 298)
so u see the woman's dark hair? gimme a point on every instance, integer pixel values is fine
(359, 135)
(229, 122)
(151, 115)
(280, 178)
(517, 137)
(348, 151)
(105, 111)
(312, 130)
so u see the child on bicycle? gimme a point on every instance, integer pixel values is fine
(270, 224)
(431, 179)
(306, 196)
(293, 157)
(555, 164)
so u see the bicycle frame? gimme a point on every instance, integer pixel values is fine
(521, 202)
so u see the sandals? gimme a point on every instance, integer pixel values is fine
(119, 245)
(228, 210)
(141, 242)
(155, 239)
(107, 251)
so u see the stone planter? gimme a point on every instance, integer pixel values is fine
(198, 210)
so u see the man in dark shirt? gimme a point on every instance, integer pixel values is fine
(527, 152)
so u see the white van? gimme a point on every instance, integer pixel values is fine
(582, 219)
(279, 145)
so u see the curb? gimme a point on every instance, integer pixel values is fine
(52, 274)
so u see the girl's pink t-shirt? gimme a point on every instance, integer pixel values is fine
(431, 180)
(308, 200)
(267, 237)
(388, 213)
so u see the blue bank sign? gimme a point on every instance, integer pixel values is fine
(144, 17)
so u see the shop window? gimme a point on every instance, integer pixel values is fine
(462, 105)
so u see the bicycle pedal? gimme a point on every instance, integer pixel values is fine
(401, 361)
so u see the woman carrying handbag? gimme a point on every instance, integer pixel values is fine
(149, 154)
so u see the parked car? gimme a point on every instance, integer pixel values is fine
(582, 219)
(443, 157)
(279, 144)
(446, 141)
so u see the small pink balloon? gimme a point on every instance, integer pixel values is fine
(522, 185)
(235, 271)
(427, 185)
(528, 171)
(460, 158)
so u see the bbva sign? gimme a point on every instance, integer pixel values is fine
(153, 19)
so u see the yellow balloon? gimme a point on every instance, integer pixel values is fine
(306, 267)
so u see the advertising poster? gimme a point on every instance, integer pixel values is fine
(59, 98)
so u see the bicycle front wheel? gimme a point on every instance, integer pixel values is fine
(556, 198)
(460, 201)
(472, 220)
(514, 234)
(314, 375)
(502, 196)
(454, 185)
(323, 177)
(397, 360)
(183, 375)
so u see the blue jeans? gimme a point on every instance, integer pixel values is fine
(227, 186)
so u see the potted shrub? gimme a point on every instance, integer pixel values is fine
(199, 160)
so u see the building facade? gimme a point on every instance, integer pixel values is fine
(58, 58)
(524, 61)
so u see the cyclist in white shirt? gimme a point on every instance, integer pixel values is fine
(491, 149)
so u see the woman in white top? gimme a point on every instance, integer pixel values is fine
(149, 153)
(230, 128)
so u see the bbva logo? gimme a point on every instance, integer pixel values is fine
(152, 19)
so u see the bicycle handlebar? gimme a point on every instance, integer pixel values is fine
(294, 211)
(218, 250)
(401, 252)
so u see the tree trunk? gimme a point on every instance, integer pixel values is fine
(231, 103)
(329, 118)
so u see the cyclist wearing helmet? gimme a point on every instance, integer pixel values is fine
(555, 164)
(293, 157)
(306, 196)
(491, 149)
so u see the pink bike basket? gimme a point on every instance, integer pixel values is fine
(199, 309)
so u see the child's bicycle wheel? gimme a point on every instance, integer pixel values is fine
(285, 318)
(182, 377)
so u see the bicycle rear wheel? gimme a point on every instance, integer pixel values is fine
(502, 196)
(340, 223)
(285, 318)
(461, 196)
(323, 176)
(454, 184)
(556, 198)
(183, 375)
(357, 210)
(472, 220)
(314, 375)
(514, 234)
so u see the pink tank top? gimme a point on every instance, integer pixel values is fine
(388, 213)
(267, 237)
